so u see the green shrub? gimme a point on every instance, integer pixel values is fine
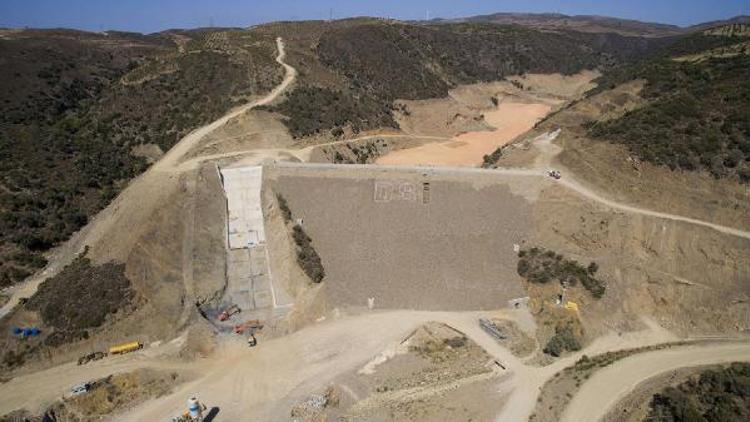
(286, 213)
(563, 340)
(307, 257)
(542, 266)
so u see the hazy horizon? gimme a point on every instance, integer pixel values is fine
(149, 16)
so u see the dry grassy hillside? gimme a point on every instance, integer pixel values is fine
(77, 109)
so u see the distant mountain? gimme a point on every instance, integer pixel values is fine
(582, 23)
(592, 24)
(744, 19)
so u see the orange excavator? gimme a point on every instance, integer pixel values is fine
(227, 313)
(252, 326)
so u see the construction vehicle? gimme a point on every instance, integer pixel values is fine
(125, 348)
(555, 174)
(252, 326)
(490, 328)
(79, 389)
(194, 412)
(91, 357)
(227, 313)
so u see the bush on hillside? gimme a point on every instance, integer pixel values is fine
(563, 341)
(697, 117)
(715, 396)
(542, 266)
(80, 298)
(307, 257)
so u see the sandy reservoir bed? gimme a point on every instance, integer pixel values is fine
(510, 120)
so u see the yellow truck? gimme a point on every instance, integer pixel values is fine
(125, 348)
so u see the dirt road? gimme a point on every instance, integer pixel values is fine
(249, 383)
(608, 386)
(566, 181)
(175, 154)
(302, 154)
(571, 184)
(37, 390)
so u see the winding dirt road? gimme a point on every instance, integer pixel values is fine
(177, 152)
(566, 181)
(610, 385)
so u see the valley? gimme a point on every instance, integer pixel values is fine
(369, 224)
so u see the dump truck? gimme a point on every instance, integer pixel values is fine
(227, 313)
(125, 348)
(252, 326)
(555, 174)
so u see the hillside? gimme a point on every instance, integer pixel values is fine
(582, 23)
(696, 115)
(592, 23)
(327, 247)
(360, 58)
(82, 113)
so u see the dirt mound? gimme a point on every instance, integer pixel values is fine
(435, 371)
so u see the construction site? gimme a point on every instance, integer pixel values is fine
(391, 276)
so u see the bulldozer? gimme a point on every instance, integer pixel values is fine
(228, 312)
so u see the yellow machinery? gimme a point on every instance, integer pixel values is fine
(571, 306)
(125, 348)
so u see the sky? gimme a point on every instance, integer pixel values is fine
(156, 15)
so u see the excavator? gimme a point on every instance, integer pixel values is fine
(227, 313)
(251, 326)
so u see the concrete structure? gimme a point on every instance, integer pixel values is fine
(242, 186)
(249, 281)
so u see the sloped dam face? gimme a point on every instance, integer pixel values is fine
(411, 241)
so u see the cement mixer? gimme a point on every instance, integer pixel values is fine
(194, 413)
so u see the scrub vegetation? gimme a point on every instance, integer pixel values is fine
(75, 104)
(542, 266)
(714, 396)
